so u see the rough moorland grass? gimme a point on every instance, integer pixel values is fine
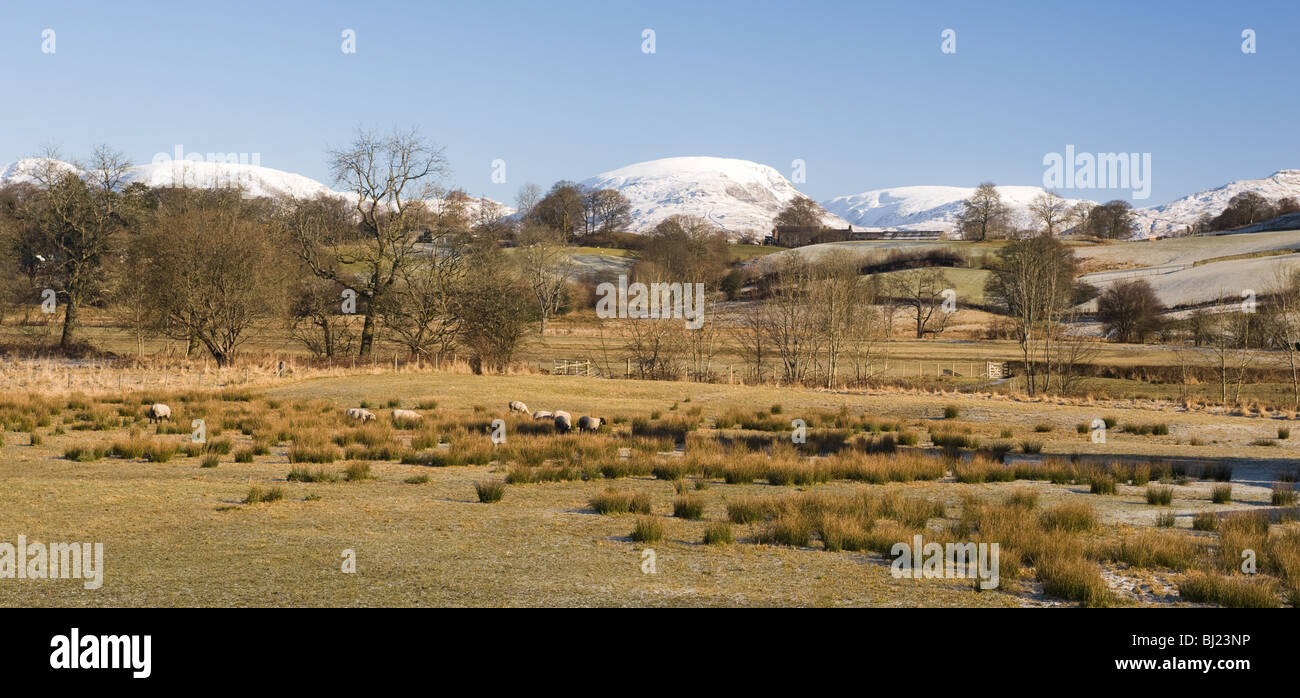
(490, 491)
(210, 461)
(1232, 591)
(420, 479)
(1205, 521)
(300, 473)
(1102, 484)
(1072, 517)
(1075, 579)
(1162, 495)
(1221, 494)
(648, 529)
(613, 501)
(718, 533)
(1283, 495)
(358, 471)
(688, 507)
(1149, 548)
(257, 494)
(84, 453)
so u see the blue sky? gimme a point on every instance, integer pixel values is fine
(859, 91)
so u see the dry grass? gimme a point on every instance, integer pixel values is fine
(867, 491)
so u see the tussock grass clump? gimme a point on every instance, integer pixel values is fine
(1162, 495)
(490, 491)
(1102, 484)
(1074, 517)
(1166, 519)
(1221, 494)
(1031, 447)
(1283, 495)
(302, 474)
(1205, 521)
(244, 455)
(718, 533)
(1149, 548)
(314, 452)
(421, 479)
(951, 412)
(793, 529)
(209, 461)
(1022, 498)
(648, 529)
(83, 453)
(160, 452)
(688, 507)
(613, 501)
(358, 471)
(1074, 579)
(743, 510)
(1232, 591)
(1283, 433)
(222, 446)
(1043, 427)
(258, 495)
(978, 470)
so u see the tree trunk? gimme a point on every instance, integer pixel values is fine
(70, 320)
(367, 334)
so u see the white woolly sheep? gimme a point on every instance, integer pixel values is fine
(563, 421)
(361, 415)
(591, 424)
(517, 406)
(158, 412)
(407, 416)
(543, 414)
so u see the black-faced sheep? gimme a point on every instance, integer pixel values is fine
(158, 412)
(591, 424)
(563, 422)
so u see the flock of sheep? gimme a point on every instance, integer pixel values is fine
(563, 421)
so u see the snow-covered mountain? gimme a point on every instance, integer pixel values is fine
(736, 195)
(924, 207)
(1172, 217)
(936, 208)
(257, 181)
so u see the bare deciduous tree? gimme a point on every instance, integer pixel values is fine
(390, 176)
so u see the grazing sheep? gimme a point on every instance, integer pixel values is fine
(592, 424)
(361, 415)
(517, 406)
(563, 422)
(407, 416)
(158, 412)
(543, 414)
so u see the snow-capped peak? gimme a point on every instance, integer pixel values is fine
(736, 195)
